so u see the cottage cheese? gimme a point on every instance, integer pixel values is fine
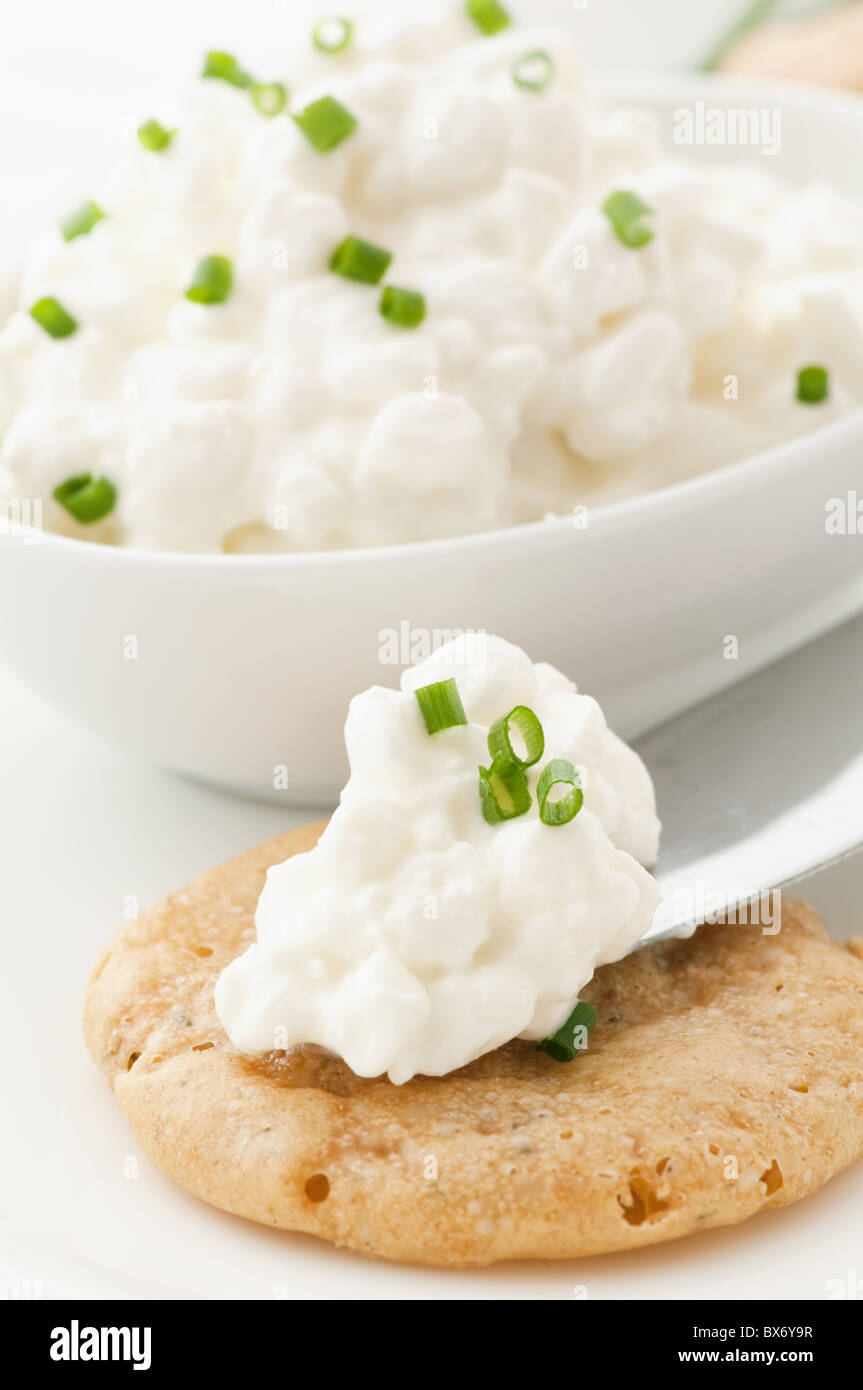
(416, 936)
(555, 366)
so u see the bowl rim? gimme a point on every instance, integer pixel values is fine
(668, 85)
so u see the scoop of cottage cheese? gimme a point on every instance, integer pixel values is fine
(555, 364)
(416, 936)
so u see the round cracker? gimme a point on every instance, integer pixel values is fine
(723, 1076)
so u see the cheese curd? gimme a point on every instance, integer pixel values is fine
(416, 936)
(555, 366)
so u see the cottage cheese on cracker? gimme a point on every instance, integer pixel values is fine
(416, 936)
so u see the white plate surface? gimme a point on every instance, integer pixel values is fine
(83, 826)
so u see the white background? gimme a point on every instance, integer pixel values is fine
(82, 826)
(80, 75)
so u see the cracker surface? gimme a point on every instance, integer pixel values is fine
(725, 1075)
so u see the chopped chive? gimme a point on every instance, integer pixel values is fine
(360, 260)
(50, 315)
(407, 308)
(212, 281)
(571, 1037)
(82, 221)
(533, 71)
(333, 35)
(86, 498)
(270, 98)
(225, 67)
(153, 136)
(530, 729)
(325, 123)
(488, 16)
(441, 706)
(556, 773)
(626, 213)
(503, 791)
(813, 385)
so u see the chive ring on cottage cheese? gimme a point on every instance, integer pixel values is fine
(423, 240)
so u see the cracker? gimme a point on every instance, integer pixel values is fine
(725, 1075)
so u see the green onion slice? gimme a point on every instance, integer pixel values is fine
(270, 98)
(360, 260)
(87, 498)
(488, 16)
(325, 123)
(212, 281)
(533, 71)
(556, 773)
(153, 136)
(626, 213)
(50, 315)
(530, 730)
(333, 35)
(813, 385)
(564, 1044)
(441, 706)
(82, 221)
(503, 791)
(406, 308)
(225, 67)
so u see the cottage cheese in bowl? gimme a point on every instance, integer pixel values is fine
(542, 357)
(418, 935)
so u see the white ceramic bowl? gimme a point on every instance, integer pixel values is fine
(246, 664)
